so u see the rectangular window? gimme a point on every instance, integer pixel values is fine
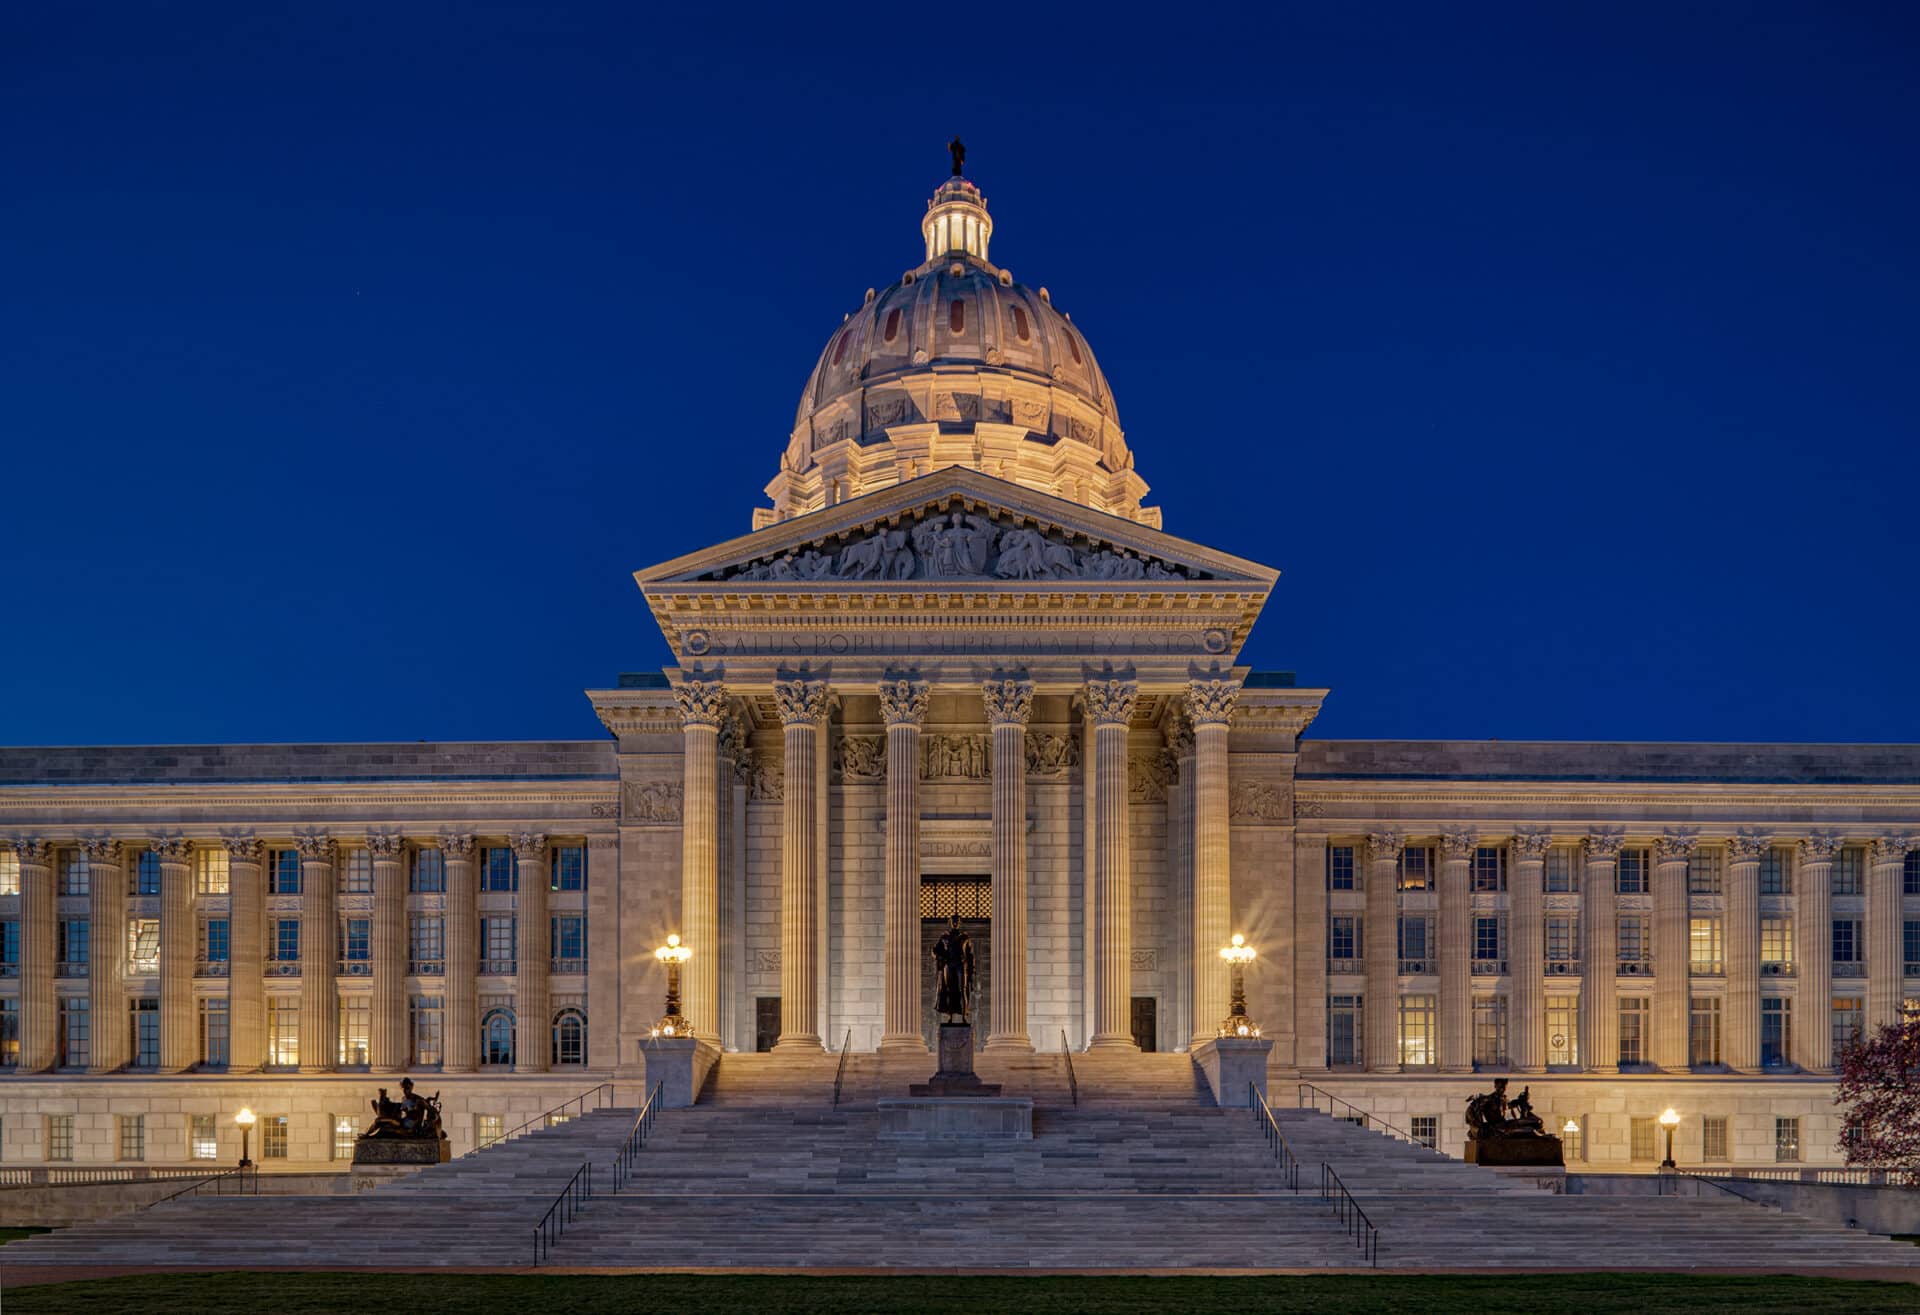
(1786, 1140)
(273, 1137)
(1343, 939)
(210, 873)
(1634, 1013)
(1643, 1139)
(1416, 943)
(356, 940)
(143, 946)
(429, 872)
(1713, 1137)
(357, 877)
(1416, 1031)
(9, 1033)
(9, 872)
(144, 1024)
(569, 943)
(497, 946)
(1776, 876)
(488, 1129)
(1706, 873)
(283, 872)
(344, 1135)
(1563, 871)
(203, 1140)
(213, 941)
(1776, 947)
(1426, 1130)
(214, 1051)
(1340, 868)
(1416, 868)
(570, 867)
(1847, 945)
(1909, 875)
(1563, 946)
(286, 940)
(75, 946)
(1563, 1030)
(1776, 1031)
(60, 1136)
(10, 948)
(1630, 875)
(1849, 1021)
(1489, 945)
(1634, 944)
(427, 1013)
(499, 869)
(283, 1031)
(133, 1136)
(76, 877)
(1703, 947)
(1489, 869)
(76, 1033)
(356, 1022)
(1573, 1144)
(1345, 1014)
(426, 951)
(1910, 947)
(1703, 1031)
(1490, 1030)
(146, 874)
(1848, 865)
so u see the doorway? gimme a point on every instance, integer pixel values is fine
(1146, 1022)
(970, 898)
(766, 1022)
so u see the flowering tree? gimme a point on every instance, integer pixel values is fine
(1879, 1097)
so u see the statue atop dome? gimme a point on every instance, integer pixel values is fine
(959, 149)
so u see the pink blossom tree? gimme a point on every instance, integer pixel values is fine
(1879, 1098)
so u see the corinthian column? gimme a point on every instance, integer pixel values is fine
(1600, 957)
(246, 930)
(1743, 953)
(387, 1049)
(460, 942)
(1381, 934)
(1526, 952)
(903, 706)
(1009, 703)
(532, 1047)
(1886, 970)
(106, 971)
(319, 955)
(1110, 705)
(1672, 960)
(703, 706)
(802, 705)
(1209, 706)
(178, 948)
(1456, 953)
(1813, 930)
(1183, 1020)
(38, 1047)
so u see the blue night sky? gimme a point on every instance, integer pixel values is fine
(1561, 357)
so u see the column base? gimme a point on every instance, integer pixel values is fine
(388, 1068)
(459, 1068)
(1000, 1044)
(911, 1043)
(1113, 1041)
(529, 1068)
(1456, 1069)
(799, 1041)
(1604, 1070)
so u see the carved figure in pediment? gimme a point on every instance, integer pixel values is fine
(863, 758)
(1049, 754)
(953, 547)
(882, 555)
(810, 565)
(1122, 565)
(1022, 554)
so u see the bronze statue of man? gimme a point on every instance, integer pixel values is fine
(959, 153)
(953, 974)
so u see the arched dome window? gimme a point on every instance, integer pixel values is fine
(496, 1037)
(569, 1037)
(1073, 345)
(893, 324)
(840, 352)
(957, 315)
(1020, 324)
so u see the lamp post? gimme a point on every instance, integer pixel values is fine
(673, 954)
(245, 1119)
(1238, 955)
(1569, 1131)
(1669, 1120)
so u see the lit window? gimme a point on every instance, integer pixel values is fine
(356, 1020)
(1786, 1140)
(9, 872)
(1776, 947)
(1416, 868)
(1416, 1031)
(1703, 939)
(427, 1013)
(490, 1128)
(1849, 1022)
(1426, 1130)
(210, 872)
(273, 1137)
(203, 1138)
(143, 946)
(1703, 1031)
(1563, 1031)
(283, 1031)
(9, 1033)
(344, 1136)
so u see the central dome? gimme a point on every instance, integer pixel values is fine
(956, 364)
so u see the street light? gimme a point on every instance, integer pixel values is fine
(1238, 955)
(1569, 1131)
(1669, 1120)
(246, 1120)
(673, 954)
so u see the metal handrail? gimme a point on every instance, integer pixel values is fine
(541, 1119)
(1073, 1084)
(1263, 1115)
(1371, 1122)
(840, 1069)
(637, 1139)
(1669, 1184)
(564, 1210)
(239, 1176)
(1348, 1212)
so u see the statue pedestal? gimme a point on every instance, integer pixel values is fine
(679, 1064)
(1232, 1064)
(956, 1076)
(1516, 1152)
(379, 1160)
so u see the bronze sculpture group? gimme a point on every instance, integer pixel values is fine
(1508, 1132)
(410, 1116)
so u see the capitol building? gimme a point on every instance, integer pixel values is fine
(958, 667)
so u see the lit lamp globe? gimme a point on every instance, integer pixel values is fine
(1238, 954)
(245, 1118)
(673, 954)
(1669, 1119)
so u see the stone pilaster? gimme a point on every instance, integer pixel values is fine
(179, 949)
(1381, 936)
(1110, 704)
(1089, 876)
(1741, 1039)
(319, 955)
(1008, 704)
(729, 946)
(1672, 955)
(802, 705)
(387, 1048)
(1209, 706)
(1813, 971)
(1310, 952)
(703, 706)
(1600, 956)
(460, 941)
(106, 970)
(1186, 1021)
(1456, 952)
(1886, 965)
(39, 1047)
(903, 707)
(246, 951)
(533, 1047)
(1526, 951)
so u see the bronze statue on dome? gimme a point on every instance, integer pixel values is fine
(959, 150)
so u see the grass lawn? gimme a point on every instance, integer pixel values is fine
(15, 1234)
(465, 1294)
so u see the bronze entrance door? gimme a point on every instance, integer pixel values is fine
(971, 898)
(766, 1021)
(1146, 1021)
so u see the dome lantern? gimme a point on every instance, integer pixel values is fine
(957, 221)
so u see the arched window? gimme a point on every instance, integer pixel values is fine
(496, 1037)
(1020, 323)
(569, 1037)
(1073, 345)
(893, 323)
(957, 316)
(840, 352)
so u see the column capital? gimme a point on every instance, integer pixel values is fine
(1674, 848)
(32, 849)
(242, 849)
(702, 703)
(457, 846)
(800, 702)
(1749, 847)
(1008, 702)
(1531, 846)
(1890, 849)
(385, 844)
(315, 847)
(1210, 702)
(102, 849)
(903, 702)
(1110, 702)
(1821, 848)
(1383, 846)
(171, 849)
(1604, 846)
(528, 844)
(1459, 844)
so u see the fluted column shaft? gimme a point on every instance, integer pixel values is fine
(801, 704)
(246, 933)
(107, 968)
(1186, 1020)
(1111, 704)
(1381, 935)
(1456, 954)
(1813, 932)
(1886, 968)
(1008, 705)
(903, 707)
(1600, 957)
(39, 1047)
(1209, 709)
(319, 956)
(460, 942)
(727, 979)
(1741, 1040)
(1672, 960)
(1526, 953)
(532, 1049)
(387, 1049)
(703, 705)
(179, 947)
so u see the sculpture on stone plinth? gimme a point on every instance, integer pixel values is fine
(1502, 1131)
(404, 1132)
(959, 152)
(953, 970)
